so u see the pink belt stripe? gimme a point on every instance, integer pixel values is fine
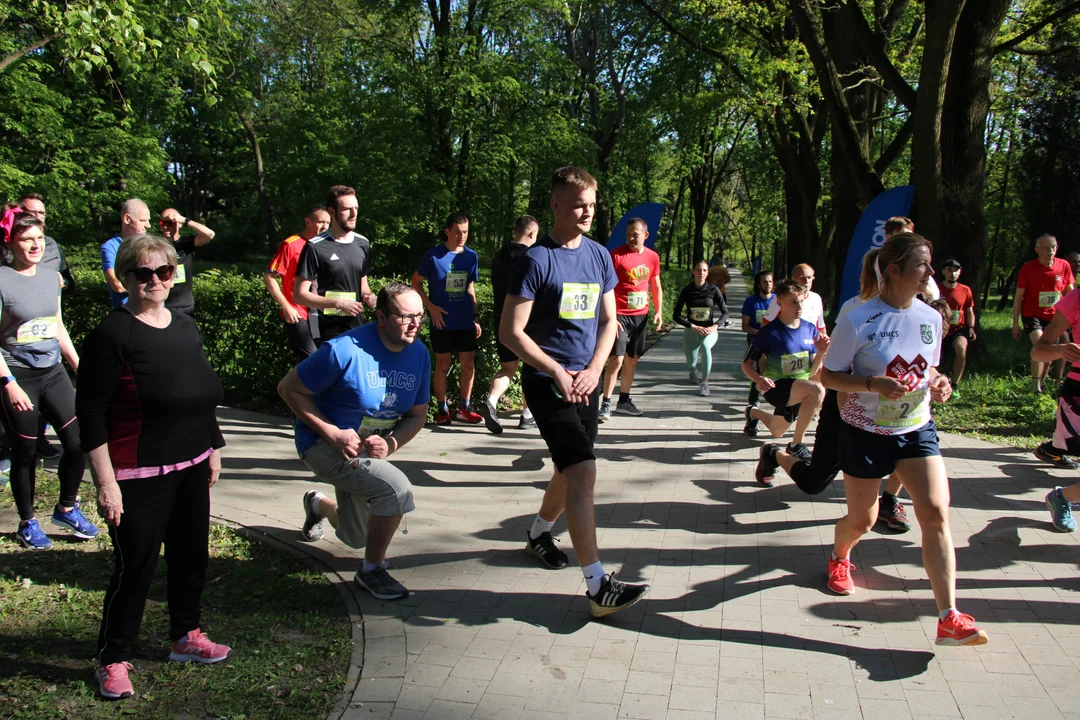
(145, 472)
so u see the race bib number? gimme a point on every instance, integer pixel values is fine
(457, 283)
(637, 299)
(795, 363)
(36, 330)
(377, 426)
(761, 313)
(910, 411)
(955, 318)
(1047, 299)
(338, 295)
(181, 274)
(579, 300)
(701, 314)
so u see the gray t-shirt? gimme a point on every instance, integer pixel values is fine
(29, 318)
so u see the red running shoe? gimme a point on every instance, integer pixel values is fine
(113, 681)
(840, 581)
(959, 629)
(442, 418)
(196, 646)
(467, 416)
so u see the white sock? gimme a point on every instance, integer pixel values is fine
(539, 527)
(526, 413)
(944, 614)
(834, 557)
(594, 575)
(317, 504)
(368, 567)
(493, 405)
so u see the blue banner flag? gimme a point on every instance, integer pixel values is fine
(870, 233)
(649, 212)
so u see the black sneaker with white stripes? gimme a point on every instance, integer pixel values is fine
(313, 519)
(544, 549)
(615, 595)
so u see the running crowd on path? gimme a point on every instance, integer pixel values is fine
(571, 316)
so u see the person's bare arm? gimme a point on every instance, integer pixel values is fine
(1017, 301)
(585, 381)
(1047, 348)
(433, 310)
(67, 348)
(270, 279)
(112, 281)
(969, 318)
(408, 426)
(746, 327)
(296, 395)
(366, 296)
(512, 334)
(658, 301)
(110, 503)
(309, 299)
(471, 289)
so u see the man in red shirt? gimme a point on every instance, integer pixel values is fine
(961, 323)
(637, 269)
(1041, 283)
(297, 324)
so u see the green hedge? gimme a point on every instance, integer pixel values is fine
(245, 336)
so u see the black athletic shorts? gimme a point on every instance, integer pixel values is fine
(569, 429)
(448, 341)
(330, 326)
(300, 337)
(1031, 324)
(631, 338)
(948, 350)
(814, 476)
(505, 354)
(864, 454)
(778, 397)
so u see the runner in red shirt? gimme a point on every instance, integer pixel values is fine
(637, 269)
(1041, 283)
(961, 322)
(297, 324)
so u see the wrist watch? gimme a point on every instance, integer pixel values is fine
(185, 223)
(6, 379)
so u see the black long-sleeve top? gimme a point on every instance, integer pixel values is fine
(698, 305)
(148, 392)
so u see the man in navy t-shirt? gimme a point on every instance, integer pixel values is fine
(451, 271)
(359, 398)
(559, 318)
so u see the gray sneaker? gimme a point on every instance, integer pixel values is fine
(313, 519)
(627, 408)
(379, 583)
(605, 410)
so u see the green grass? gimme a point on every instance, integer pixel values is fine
(286, 624)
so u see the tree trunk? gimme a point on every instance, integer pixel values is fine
(264, 200)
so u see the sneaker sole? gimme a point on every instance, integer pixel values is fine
(979, 638)
(399, 596)
(627, 412)
(311, 531)
(835, 591)
(599, 612)
(185, 657)
(468, 422)
(28, 546)
(76, 533)
(603, 418)
(112, 696)
(1057, 527)
(529, 550)
(491, 423)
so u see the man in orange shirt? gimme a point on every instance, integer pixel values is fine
(1041, 283)
(297, 323)
(961, 323)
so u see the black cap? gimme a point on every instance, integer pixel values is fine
(952, 263)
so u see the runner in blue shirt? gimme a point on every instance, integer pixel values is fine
(793, 351)
(753, 312)
(357, 400)
(451, 271)
(134, 220)
(559, 318)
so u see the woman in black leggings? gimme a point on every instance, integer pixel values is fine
(32, 340)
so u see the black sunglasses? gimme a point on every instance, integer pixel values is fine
(143, 274)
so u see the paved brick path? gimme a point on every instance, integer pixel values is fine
(738, 624)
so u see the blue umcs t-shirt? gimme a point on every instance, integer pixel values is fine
(789, 351)
(755, 307)
(448, 275)
(108, 261)
(358, 383)
(565, 285)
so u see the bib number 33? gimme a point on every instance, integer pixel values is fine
(579, 300)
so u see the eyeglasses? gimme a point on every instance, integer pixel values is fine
(40, 214)
(143, 274)
(409, 319)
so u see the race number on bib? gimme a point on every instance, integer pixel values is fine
(955, 318)
(456, 283)
(795, 363)
(910, 411)
(181, 274)
(36, 330)
(1047, 299)
(701, 314)
(377, 426)
(338, 295)
(761, 313)
(579, 300)
(637, 299)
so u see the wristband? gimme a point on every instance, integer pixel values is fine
(185, 223)
(6, 380)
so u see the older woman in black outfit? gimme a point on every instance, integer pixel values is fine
(146, 397)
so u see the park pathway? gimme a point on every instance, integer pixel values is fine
(738, 624)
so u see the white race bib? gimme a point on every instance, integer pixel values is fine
(180, 276)
(955, 318)
(36, 330)
(637, 299)
(1047, 299)
(578, 300)
(338, 295)
(760, 313)
(910, 411)
(456, 283)
(701, 314)
(377, 426)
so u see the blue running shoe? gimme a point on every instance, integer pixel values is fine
(30, 536)
(1060, 512)
(74, 521)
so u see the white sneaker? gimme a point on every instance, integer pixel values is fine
(704, 389)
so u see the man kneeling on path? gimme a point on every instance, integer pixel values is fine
(793, 352)
(357, 400)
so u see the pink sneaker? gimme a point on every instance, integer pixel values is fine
(198, 647)
(113, 681)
